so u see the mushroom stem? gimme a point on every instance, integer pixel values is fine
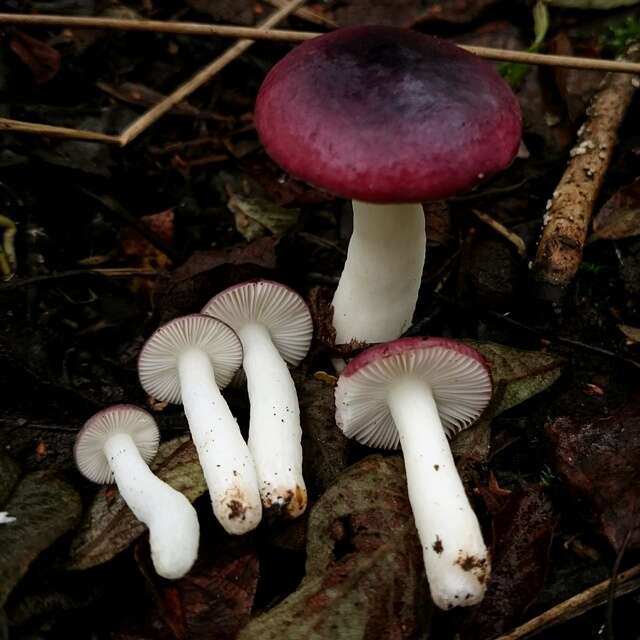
(378, 288)
(173, 524)
(224, 456)
(274, 427)
(455, 556)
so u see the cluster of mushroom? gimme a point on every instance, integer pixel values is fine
(262, 326)
(391, 118)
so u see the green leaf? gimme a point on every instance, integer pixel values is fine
(44, 508)
(256, 217)
(517, 376)
(540, 24)
(109, 527)
(515, 72)
(364, 574)
(591, 4)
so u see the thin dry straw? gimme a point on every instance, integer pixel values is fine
(263, 31)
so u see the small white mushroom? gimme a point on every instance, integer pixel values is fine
(118, 444)
(275, 327)
(412, 393)
(189, 360)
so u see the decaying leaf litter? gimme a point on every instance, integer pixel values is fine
(551, 482)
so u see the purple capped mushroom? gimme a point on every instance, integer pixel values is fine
(388, 118)
(413, 393)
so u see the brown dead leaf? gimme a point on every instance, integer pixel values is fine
(43, 61)
(214, 600)
(205, 273)
(522, 533)
(517, 376)
(364, 573)
(619, 217)
(632, 334)
(599, 461)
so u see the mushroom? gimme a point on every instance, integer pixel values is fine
(275, 327)
(389, 118)
(117, 444)
(414, 392)
(189, 360)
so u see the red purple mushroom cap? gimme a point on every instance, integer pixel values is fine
(382, 114)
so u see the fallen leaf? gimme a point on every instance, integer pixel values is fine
(43, 61)
(205, 273)
(522, 533)
(632, 334)
(325, 446)
(44, 508)
(599, 462)
(146, 255)
(162, 224)
(214, 600)
(256, 217)
(619, 217)
(364, 573)
(517, 376)
(109, 526)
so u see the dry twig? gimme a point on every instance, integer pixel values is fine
(593, 597)
(498, 227)
(203, 76)
(568, 216)
(307, 14)
(281, 35)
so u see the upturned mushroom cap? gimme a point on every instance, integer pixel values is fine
(457, 375)
(382, 114)
(158, 360)
(280, 309)
(88, 450)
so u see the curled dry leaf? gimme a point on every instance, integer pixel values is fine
(632, 334)
(364, 573)
(522, 533)
(619, 217)
(109, 526)
(599, 461)
(517, 376)
(42, 60)
(214, 600)
(44, 508)
(206, 273)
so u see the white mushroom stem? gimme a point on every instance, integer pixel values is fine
(274, 427)
(378, 288)
(455, 556)
(174, 531)
(224, 456)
